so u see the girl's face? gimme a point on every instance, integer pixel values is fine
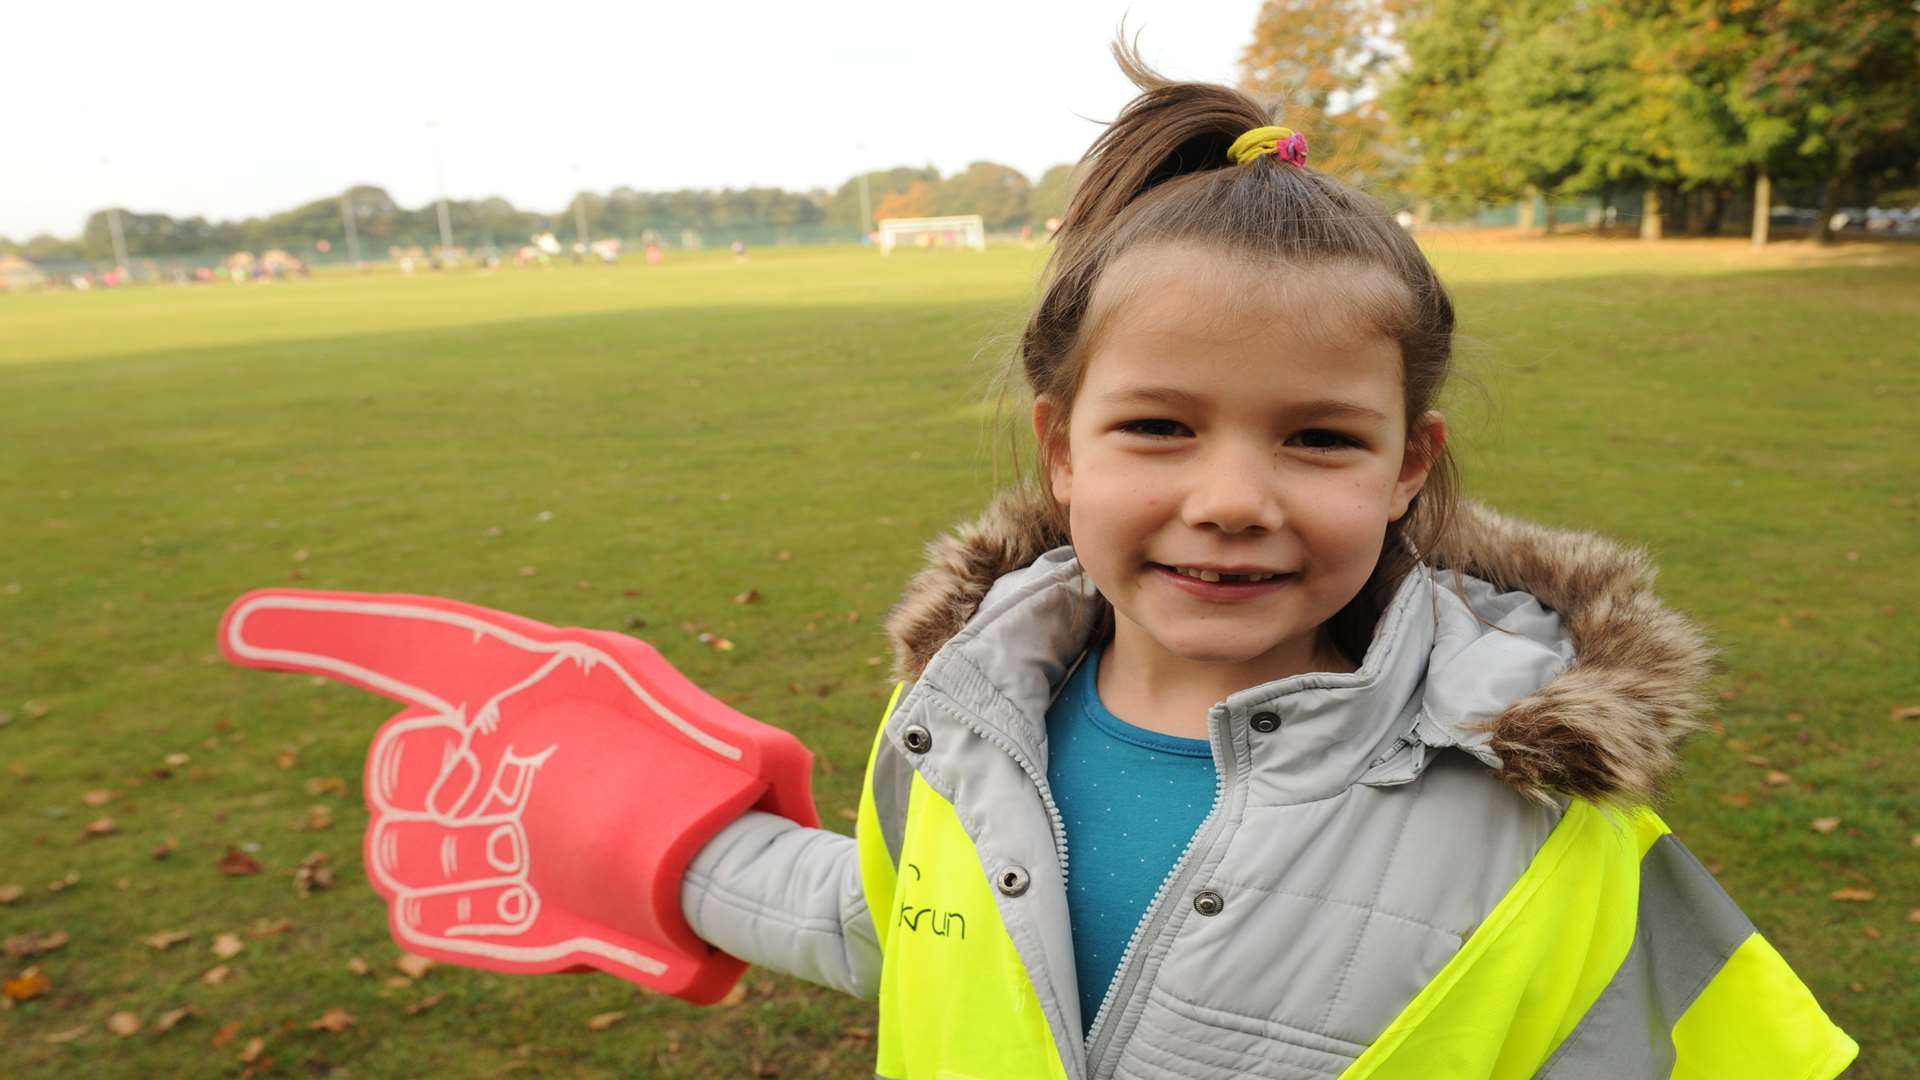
(1228, 477)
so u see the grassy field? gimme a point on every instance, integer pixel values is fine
(632, 448)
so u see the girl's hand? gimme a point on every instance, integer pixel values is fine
(534, 805)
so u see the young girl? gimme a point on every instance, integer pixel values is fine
(1240, 746)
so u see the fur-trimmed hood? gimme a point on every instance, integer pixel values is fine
(1607, 728)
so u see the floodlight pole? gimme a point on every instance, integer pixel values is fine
(114, 231)
(866, 203)
(353, 234)
(440, 182)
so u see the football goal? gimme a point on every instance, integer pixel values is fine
(966, 230)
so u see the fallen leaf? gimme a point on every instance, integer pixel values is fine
(629, 593)
(413, 966)
(22, 946)
(424, 1004)
(1913, 914)
(1755, 759)
(227, 1033)
(849, 814)
(253, 1049)
(605, 1020)
(1858, 988)
(314, 874)
(319, 817)
(11, 892)
(167, 939)
(237, 863)
(1776, 778)
(176, 760)
(216, 975)
(28, 985)
(783, 556)
(1906, 712)
(1852, 895)
(36, 710)
(528, 571)
(326, 785)
(166, 847)
(751, 596)
(1824, 825)
(287, 759)
(228, 946)
(124, 1024)
(734, 996)
(1739, 800)
(66, 1036)
(333, 1020)
(97, 798)
(170, 1019)
(1873, 933)
(101, 827)
(269, 927)
(65, 883)
(358, 966)
(853, 616)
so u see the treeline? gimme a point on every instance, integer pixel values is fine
(1688, 104)
(1002, 195)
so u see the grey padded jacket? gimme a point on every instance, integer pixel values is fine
(1352, 847)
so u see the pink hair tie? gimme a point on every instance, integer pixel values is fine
(1292, 149)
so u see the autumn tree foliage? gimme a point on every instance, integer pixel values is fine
(915, 202)
(1319, 63)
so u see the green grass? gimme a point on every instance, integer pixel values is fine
(1749, 419)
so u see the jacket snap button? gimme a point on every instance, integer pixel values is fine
(918, 739)
(1264, 722)
(1011, 880)
(1208, 902)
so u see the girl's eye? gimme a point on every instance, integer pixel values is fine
(1323, 440)
(1155, 429)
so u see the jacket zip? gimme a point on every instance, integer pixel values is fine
(1128, 973)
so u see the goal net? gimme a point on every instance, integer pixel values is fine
(966, 230)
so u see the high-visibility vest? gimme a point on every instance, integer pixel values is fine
(1614, 955)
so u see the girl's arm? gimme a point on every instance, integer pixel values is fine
(785, 897)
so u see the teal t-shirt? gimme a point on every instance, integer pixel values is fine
(1131, 799)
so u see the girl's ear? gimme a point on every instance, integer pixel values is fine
(1423, 449)
(1053, 449)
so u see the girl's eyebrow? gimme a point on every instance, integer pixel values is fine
(1166, 395)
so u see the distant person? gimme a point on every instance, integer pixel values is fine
(655, 256)
(739, 251)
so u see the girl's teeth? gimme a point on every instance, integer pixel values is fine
(1214, 575)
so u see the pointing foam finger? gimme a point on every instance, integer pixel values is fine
(429, 652)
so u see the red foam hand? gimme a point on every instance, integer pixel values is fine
(534, 805)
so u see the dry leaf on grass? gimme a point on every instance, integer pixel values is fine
(358, 966)
(176, 760)
(734, 996)
(28, 985)
(424, 1004)
(97, 798)
(326, 785)
(314, 874)
(11, 892)
(216, 975)
(1852, 895)
(66, 1036)
(101, 827)
(124, 1024)
(319, 817)
(1776, 778)
(228, 946)
(604, 1020)
(413, 966)
(333, 1020)
(170, 1019)
(22, 946)
(1906, 712)
(227, 1033)
(751, 596)
(287, 759)
(1913, 914)
(167, 939)
(237, 863)
(255, 1046)
(167, 847)
(1824, 825)
(269, 927)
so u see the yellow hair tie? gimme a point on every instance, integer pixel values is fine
(1284, 143)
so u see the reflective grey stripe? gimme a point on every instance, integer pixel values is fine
(892, 782)
(1687, 928)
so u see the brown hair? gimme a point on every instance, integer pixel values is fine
(1160, 174)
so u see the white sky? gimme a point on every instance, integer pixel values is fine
(235, 109)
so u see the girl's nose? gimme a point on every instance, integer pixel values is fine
(1234, 490)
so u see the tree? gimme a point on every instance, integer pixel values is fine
(844, 206)
(1050, 196)
(1320, 63)
(996, 192)
(1439, 101)
(915, 202)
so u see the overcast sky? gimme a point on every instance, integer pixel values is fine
(235, 109)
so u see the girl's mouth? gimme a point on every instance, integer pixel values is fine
(1217, 584)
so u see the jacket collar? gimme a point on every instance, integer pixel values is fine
(1541, 652)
